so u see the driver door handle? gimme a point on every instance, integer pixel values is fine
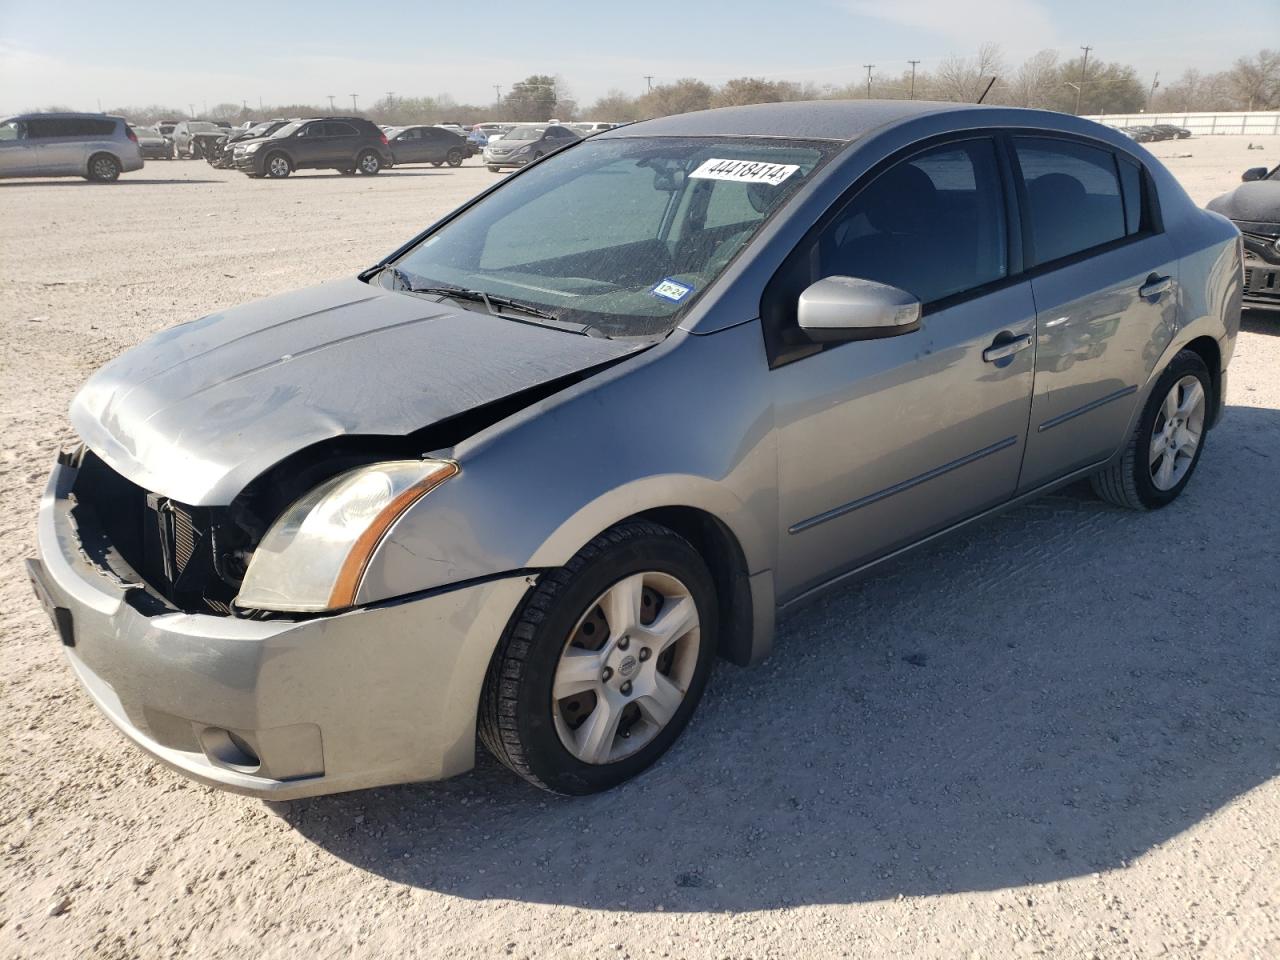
(1007, 348)
(1155, 286)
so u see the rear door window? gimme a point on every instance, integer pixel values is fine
(1073, 197)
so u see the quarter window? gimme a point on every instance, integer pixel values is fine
(1073, 197)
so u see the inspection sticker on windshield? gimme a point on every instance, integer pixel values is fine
(672, 290)
(745, 171)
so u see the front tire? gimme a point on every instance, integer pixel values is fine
(277, 166)
(103, 168)
(1162, 454)
(605, 663)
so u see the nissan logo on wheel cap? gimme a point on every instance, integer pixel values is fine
(628, 665)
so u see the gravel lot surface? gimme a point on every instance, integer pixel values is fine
(1054, 735)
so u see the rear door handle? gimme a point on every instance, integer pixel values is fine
(1155, 286)
(1007, 348)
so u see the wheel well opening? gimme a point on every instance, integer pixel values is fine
(1211, 354)
(723, 555)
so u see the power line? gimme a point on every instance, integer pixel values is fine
(869, 67)
(912, 94)
(1084, 67)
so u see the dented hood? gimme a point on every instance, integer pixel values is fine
(201, 409)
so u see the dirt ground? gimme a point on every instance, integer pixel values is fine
(1057, 734)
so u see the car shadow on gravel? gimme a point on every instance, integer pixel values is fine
(123, 182)
(1265, 322)
(1051, 693)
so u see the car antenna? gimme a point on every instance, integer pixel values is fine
(988, 90)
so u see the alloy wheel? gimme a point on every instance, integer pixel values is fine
(626, 667)
(278, 167)
(1176, 433)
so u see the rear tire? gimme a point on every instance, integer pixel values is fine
(454, 158)
(369, 163)
(493, 169)
(103, 168)
(1162, 454)
(542, 733)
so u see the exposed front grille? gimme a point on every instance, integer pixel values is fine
(170, 545)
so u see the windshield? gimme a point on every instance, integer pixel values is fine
(288, 128)
(621, 235)
(525, 133)
(201, 127)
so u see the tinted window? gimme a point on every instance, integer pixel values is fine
(1073, 197)
(933, 225)
(340, 130)
(70, 127)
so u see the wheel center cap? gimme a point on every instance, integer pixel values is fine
(628, 666)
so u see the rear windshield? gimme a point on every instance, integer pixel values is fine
(201, 127)
(525, 133)
(622, 235)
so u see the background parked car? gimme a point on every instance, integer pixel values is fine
(196, 138)
(1254, 207)
(527, 143)
(589, 127)
(1171, 132)
(1142, 134)
(153, 144)
(427, 144)
(345, 144)
(223, 156)
(89, 145)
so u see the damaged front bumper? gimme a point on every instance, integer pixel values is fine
(280, 708)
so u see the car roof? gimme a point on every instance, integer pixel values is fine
(68, 115)
(841, 120)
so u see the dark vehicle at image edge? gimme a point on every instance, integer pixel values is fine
(345, 144)
(1254, 207)
(526, 478)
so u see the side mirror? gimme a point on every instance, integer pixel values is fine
(1254, 173)
(847, 308)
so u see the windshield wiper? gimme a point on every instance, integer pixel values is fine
(490, 300)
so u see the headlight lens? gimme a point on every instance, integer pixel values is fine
(314, 556)
(252, 147)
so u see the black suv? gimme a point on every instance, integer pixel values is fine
(345, 144)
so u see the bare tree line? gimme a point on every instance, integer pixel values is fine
(1044, 80)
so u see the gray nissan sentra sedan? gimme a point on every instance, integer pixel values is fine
(532, 474)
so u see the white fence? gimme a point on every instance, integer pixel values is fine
(1259, 122)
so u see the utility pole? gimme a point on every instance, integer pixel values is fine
(649, 80)
(497, 93)
(1084, 69)
(332, 108)
(869, 67)
(391, 99)
(913, 63)
(1155, 82)
(354, 107)
(192, 108)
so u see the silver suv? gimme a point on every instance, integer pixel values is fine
(88, 145)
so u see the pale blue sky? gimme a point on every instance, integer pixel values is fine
(179, 53)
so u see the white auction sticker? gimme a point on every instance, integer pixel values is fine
(745, 171)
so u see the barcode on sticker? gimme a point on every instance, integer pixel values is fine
(745, 171)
